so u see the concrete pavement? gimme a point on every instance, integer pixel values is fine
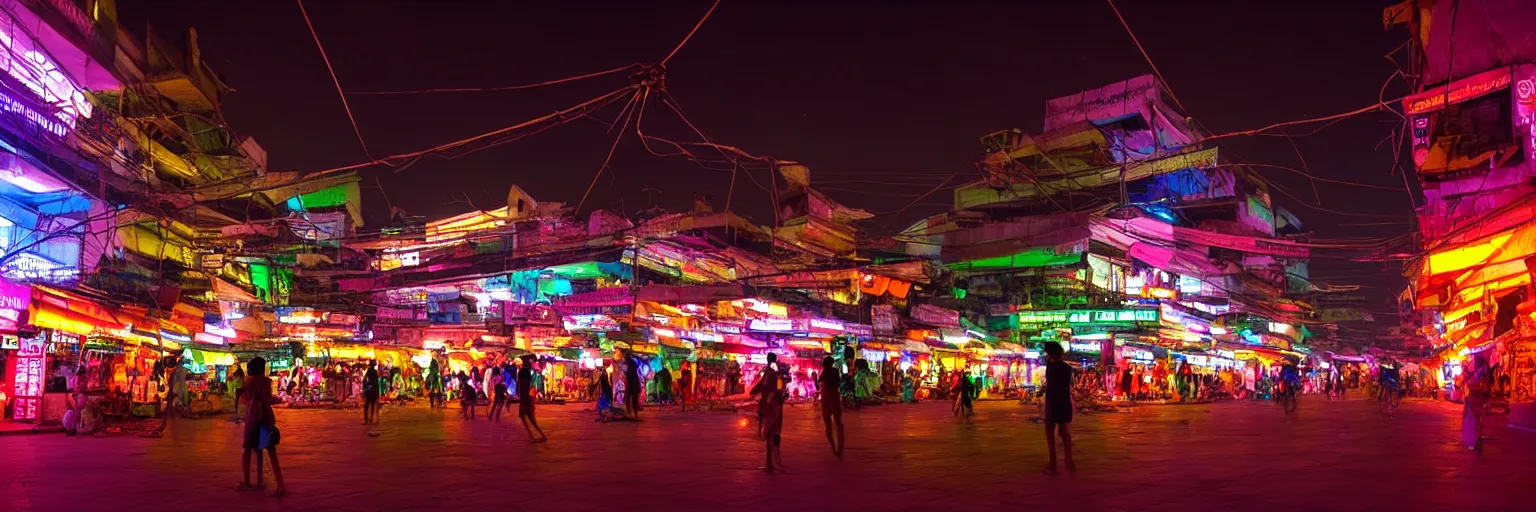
(1224, 456)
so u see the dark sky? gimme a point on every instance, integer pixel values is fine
(858, 91)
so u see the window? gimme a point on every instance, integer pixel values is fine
(1476, 134)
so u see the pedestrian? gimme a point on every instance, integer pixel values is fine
(830, 386)
(371, 394)
(261, 431)
(604, 397)
(663, 385)
(434, 384)
(684, 385)
(965, 395)
(467, 398)
(236, 383)
(499, 391)
(175, 395)
(732, 377)
(633, 390)
(1479, 382)
(526, 399)
(1058, 404)
(770, 408)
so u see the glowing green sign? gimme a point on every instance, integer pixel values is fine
(1089, 316)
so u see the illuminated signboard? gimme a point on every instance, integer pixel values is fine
(391, 261)
(590, 323)
(15, 296)
(28, 64)
(1043, 317)
(820, 325)
(30, 267)
(1112, 316)
(1084, 346)
(28, 380)
(175, 336)
(772, 325)
(299, 316)
(1088, 316)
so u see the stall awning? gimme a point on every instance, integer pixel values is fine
(58, 309)
(225, 290)
(205, 358)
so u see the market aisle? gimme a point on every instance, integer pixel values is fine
(1224, 456)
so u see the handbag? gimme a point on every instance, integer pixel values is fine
(270, 437)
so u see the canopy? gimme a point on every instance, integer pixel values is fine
(225, 290)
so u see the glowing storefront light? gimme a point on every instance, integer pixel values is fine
(24, 61)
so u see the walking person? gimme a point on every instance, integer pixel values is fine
(175, 396)
(830, 386)
(604, 397)
(770, 408)
(1058, 404)
(663, 385)
(633, 391)
(684, 385)
(371, 394)
(499, 393)
(467, 398)
(260, 429)
(236, 383)
(965, 394)
(1479, 383)
(525, 400)
(434, 383)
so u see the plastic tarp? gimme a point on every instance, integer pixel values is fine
(667, 293)
(1123, 233)
(1513, 245)
(981, 193)
(1487, 33)
(225, 290)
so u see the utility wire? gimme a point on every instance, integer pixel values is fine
(611, 149)
(334, 80)
(620, 69)
(690, 33)
(1144, 55)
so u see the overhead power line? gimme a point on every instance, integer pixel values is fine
(334, 80)
(1144, 55)
(688, 37)
(621, 69)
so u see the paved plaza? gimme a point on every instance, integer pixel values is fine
(1225, 456)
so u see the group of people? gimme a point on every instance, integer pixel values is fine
(1181, 382)
(831, 385)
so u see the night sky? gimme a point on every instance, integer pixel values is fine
(893, 92)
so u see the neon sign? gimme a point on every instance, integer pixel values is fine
(28, 383)
(771, 324)
(1090, 347)
(15, 296)
(29, 266)
(9, 104)
(829, 325)
(1110, 316)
